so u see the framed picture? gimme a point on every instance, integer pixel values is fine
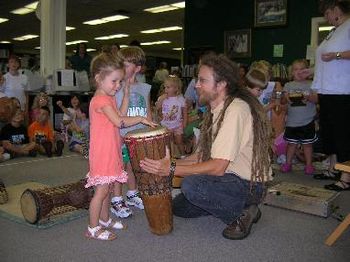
(270, 13)
(238, 43)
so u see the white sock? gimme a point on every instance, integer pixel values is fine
(131, 192)
(116, 199)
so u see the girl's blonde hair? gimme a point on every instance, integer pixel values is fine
(177, 81)
(41, 95)
(301, 61)
(104, 63)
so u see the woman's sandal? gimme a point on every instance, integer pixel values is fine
(112, 224)
(327, 174)
(344, 186)
(99, 233)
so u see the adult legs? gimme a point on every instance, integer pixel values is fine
(224, 197)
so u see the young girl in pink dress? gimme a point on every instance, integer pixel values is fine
(105, 159)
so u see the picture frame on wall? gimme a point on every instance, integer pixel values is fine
(237, 43)
(270, 13)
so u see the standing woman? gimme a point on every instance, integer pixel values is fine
(332, 83)
(13, 83)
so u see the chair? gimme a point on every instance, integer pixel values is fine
(345, 166)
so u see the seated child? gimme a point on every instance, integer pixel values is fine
(80, 128)
(42, 133)
(41, 99)
(14, 137)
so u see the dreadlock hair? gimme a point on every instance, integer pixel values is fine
(226, 70)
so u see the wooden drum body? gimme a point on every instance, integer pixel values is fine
(37, 205)
(155, 190)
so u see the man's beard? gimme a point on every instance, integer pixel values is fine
(205, 98)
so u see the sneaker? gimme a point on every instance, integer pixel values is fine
(59, 147)
(309, 170)
(6, 156)
(285, 168)
(242, 226)
(120, 209)
(135, 200)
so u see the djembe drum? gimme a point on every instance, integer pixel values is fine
(155, 190)
(41, 204)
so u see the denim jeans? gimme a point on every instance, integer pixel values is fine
(224, 197)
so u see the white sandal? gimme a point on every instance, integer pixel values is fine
(100, 234)
(113, 224)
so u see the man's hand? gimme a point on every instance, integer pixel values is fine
(158, 167)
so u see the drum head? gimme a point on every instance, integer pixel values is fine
(146, 132)
(29, 207)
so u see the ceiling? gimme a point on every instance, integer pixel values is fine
(79, 11)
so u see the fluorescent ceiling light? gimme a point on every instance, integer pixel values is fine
(106, 20)
(90, 50)
(2, 20)
(76, 42)
(163, 29)
(25, 37)
(325, 28)
(69, 28)
(177, 48)
(123, 46)
(5, 42)
(32, 5)
(165, 8)
(156, 43)
(37, 47)
(180, 4)
(26, 9)
(108, 37)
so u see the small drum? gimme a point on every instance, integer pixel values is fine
(37, 205)
(155, 190)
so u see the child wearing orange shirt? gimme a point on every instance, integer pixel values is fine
(42, 133)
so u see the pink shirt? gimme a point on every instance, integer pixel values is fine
(172, 112)
(105, 156)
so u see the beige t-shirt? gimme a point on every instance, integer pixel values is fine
(234, 141)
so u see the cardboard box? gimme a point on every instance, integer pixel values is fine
(310, 200)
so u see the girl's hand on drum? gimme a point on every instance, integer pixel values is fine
(145, 121)
(158, 167)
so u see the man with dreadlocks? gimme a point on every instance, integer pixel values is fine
(225, 176)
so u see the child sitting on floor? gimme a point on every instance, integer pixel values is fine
(14, 137)
(42, 133)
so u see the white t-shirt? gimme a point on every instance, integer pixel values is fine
(172, 112)
(333, 77)
(14, 86)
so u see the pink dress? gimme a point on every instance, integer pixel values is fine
(105, 158)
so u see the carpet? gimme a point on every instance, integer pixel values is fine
(319, 166)
(12, 209)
